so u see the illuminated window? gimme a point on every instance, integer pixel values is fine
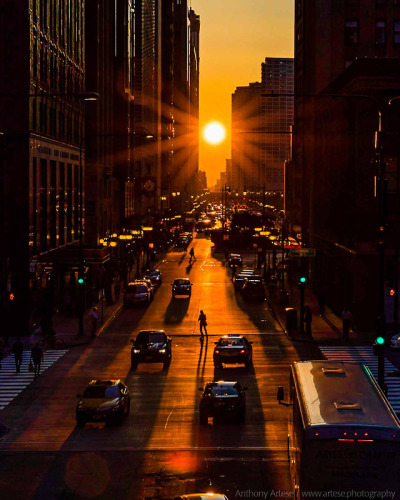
(380, 32)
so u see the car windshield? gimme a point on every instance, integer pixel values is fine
(231, 342)
(181, 282)
(136, 289)
(101, 391)
(151, 337)
(227, 390)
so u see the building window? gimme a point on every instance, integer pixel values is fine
(351, 32)
(396, 30)
(380, 32)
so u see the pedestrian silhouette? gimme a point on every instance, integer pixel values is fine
(191, 253)
(36, 358)
(233, 271)
(94, 317)
(203, 323)
(346, 319)
(17, 350)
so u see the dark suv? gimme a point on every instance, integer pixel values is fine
(222, 400)
(103, 400)
(151, 346)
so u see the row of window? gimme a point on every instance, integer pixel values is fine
(54, 217)
(352, 32)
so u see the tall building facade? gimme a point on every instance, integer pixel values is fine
(277, 114)
(194, 93)
(246, 137)
(348, 48)
(42, 77)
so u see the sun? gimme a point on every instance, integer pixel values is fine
(214, 133)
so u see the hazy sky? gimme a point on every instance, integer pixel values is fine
(235, 38)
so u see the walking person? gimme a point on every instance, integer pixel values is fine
(346, 318)
(17, 350)
(233, 271)
(94, 317)
(191, 253)
(307, 319)
(203, 324)
(36, 358)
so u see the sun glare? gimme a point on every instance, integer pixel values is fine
(214, 133)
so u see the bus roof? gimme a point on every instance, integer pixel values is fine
(337, 393)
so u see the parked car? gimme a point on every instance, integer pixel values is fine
(234, 259)
(241, 277)
(149, 284)
(151, 346)
(222, 400)
(154, 275)
(103, 400)
(253, 289)
(137, 292)
(181, 286)
(233, 349)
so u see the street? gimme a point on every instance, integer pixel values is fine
(160, 450)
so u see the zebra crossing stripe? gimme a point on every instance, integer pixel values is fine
(365, 354)
(12, 383)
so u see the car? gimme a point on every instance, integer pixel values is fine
(151, 346)
(395, 341)
(241, 277)
(202, 496)
(137, 292)
(154, 275)
(103, 400)
(222, 400)
(149, 284)
(234, 259)
(181, 286)
(253, 288)
(233, 349)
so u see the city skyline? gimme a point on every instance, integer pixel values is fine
(233, 44)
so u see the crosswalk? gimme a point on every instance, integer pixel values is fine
(12, 383)
(365, 354)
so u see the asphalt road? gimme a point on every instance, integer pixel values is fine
(160, 450)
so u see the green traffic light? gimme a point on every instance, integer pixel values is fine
(302, 279)
(80, 281)
(380, 340)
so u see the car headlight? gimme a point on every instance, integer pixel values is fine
(136, 351)
(161, 351)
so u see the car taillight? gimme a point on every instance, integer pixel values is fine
(217, 352)
(242, 351)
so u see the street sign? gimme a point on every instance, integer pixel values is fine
(302, 252)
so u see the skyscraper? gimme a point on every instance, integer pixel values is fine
(276, 120)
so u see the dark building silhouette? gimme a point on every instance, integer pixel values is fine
(348, 48)
(41, 52)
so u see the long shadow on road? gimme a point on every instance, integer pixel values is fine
(176, 310)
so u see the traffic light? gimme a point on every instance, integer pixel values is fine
(302, 280)
(379, 346)
(81, 274)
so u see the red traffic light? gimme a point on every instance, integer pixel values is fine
(12, 296)
(392, 292)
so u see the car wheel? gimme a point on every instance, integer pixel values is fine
(203, 418)
(80, 422)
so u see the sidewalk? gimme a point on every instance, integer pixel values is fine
(326, 329)
(66, 327)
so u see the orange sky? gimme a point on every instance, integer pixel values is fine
(235, 38)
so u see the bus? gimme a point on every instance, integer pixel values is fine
(343, 435)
